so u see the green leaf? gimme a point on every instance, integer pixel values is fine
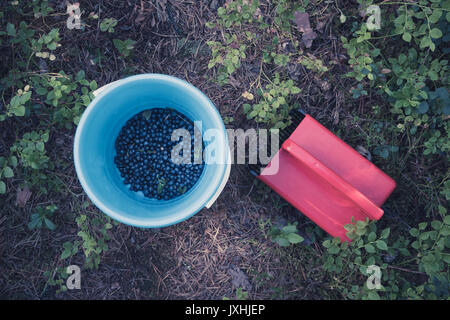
(447, 220)
(51, 46)
(7, 172)
(333, 250)
(422, 225)
(49, 224)
(435, 33)
(282, 242)
(13, 161)
(435, 16)
(436, 225)
(65, 254)
(246, 108)
(407, 37)
(2, 187)
(295, 90)
(40, 146)
(35, 222)
(446, 259)
(294, 238)
(326, 243)
(370, 261)
(11, 29)
(381, 245)
(433, 75)
(425, 42)
(385, 233)
(19, 111)
(80, 75)
(369, 248)
(289, 228)
(373, 295)
(93, 85)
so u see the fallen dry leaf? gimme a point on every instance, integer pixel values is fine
(308, 38)
(115, 286)
(239, 279)
(141, 16)
(301, 19)
(364, 152)
(235, 83)
(22, 196)
(335, 117)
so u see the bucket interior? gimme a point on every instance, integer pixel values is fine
(95, 149)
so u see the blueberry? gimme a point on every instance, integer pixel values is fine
(143, 154)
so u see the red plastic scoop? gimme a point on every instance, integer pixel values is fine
(326, 179)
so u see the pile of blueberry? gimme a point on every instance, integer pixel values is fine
(144, 150)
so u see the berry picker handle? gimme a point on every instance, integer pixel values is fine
(366, 205)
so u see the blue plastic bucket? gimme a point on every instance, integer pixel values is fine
(94, 149)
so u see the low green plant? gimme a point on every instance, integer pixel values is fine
(42, 100)
(431, 241)
(228, 120)
(286, 236)
(411, 78)
(124, 46)
(94, 243)
(405, 65)
(108, 25)
(370, 247)
(16, 106)
(284, 10)
(56, 278)
(226, 56)
(236, 13)
(42, 218)
(6, 170)
(30, 150)
(241, 294)
(40, 8)
(69, 96)
(273, 107)
(312, 63)
(359, 91)
(70, 249)
(384, 151)
(48, 41)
